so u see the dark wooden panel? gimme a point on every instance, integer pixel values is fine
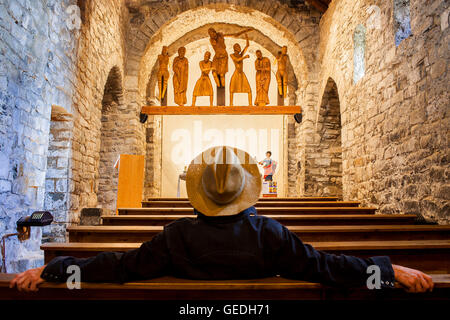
(292, 220)
(306, 233)
(261, 199)
(262, 211)
(187, 204)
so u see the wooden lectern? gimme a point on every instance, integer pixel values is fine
(131, 181)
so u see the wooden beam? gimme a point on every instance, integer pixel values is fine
(267, 110)
(319, 5)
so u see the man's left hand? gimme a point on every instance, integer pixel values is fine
(28, 281)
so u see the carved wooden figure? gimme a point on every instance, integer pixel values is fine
(263, 77)
(239, 82)
(203, 87)
(282, 75)
(220, 60)
(180, 77)
(163, 73)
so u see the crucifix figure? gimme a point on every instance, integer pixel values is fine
(282, 75)
(163, 73)
(239, 82)
(220, 60)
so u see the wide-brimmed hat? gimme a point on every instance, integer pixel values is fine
(223, 181)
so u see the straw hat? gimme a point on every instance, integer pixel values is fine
(223, 181)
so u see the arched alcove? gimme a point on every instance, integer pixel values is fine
(324, 161)
(112, 103)
(359, 53)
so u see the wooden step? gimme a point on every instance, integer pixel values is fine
(187, 204)
(427, 255)
(262, 211)
(260, 199)
(306, 233)
(293, 220)
(170, 288)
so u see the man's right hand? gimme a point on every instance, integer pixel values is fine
(413, 280)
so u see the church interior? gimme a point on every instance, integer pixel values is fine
(104, 103)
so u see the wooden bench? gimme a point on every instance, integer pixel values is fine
(262, 211)
(306, 233)
(187, 204)
(260, 199)
(293, 220)
(427, 255)
(169, 288)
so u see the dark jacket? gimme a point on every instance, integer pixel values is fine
(244, 246)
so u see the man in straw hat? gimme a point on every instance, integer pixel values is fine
(226, 241)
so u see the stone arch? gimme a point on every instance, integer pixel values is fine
(289, 27)
(359, 53)
(402, 20)
(112, 103)
(324, 162)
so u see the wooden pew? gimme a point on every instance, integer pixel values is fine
(306, 233)
(427, 255)
(187, 204)
(262, 211)
(260, 199)
(292, 220)
(169, 288)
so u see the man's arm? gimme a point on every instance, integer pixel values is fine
(301, 261)
(148, 261)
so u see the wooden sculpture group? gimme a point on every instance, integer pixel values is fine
(219, 67)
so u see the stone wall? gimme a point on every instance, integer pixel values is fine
(37, 52)
(395, 120)
(102, 48)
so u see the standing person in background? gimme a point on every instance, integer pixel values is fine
(268, 166)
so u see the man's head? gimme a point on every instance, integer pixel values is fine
(284, 50)
(237, 48)
(259, 54)
(268, 154)
(223, 181)
(164, 50)
(207, 55)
